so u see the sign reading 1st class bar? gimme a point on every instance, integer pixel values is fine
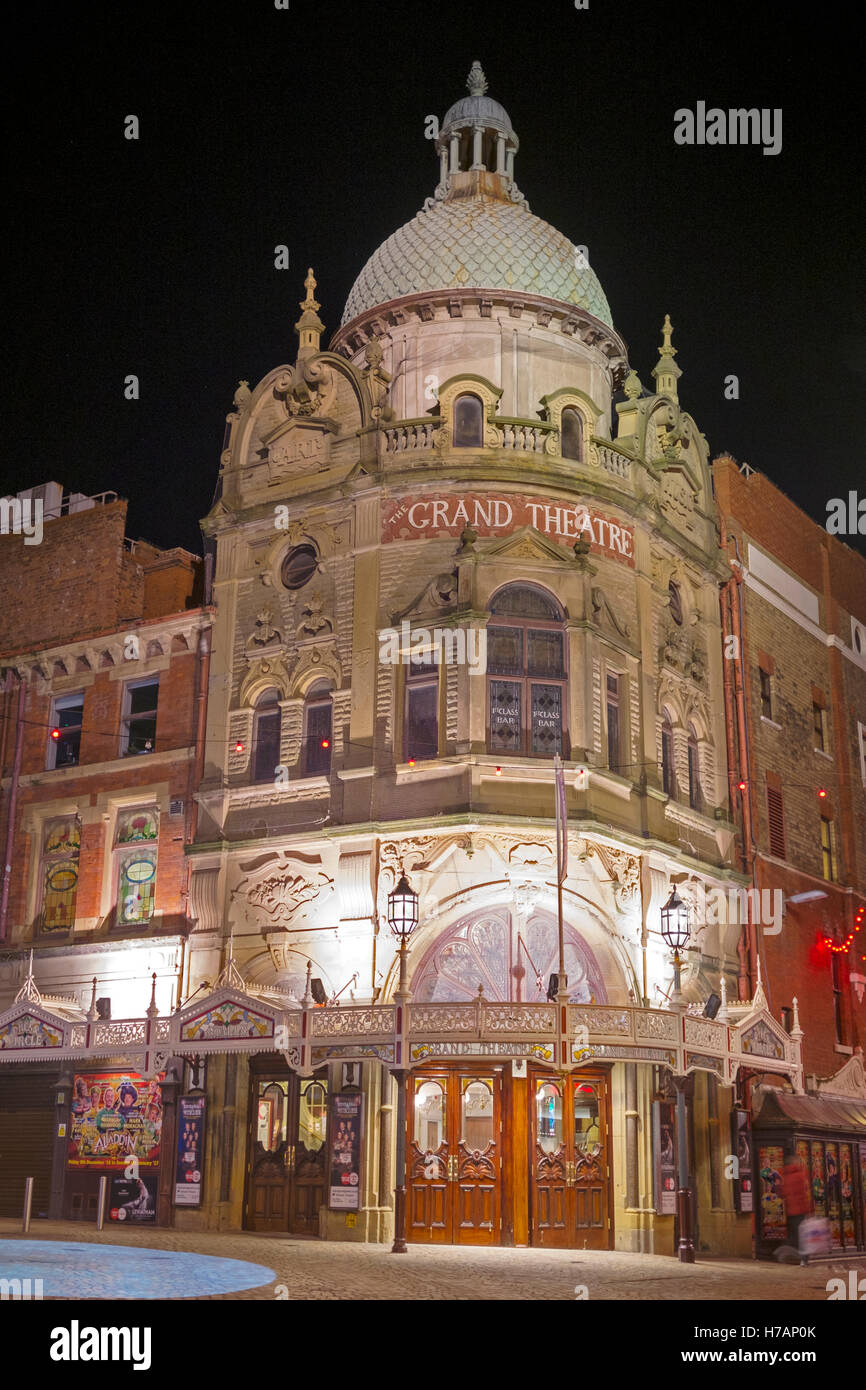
(499, 514)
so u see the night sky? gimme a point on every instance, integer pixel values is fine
(306, 127)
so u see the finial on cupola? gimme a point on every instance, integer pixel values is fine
(666, 371)
(476, 81)
(309, 327)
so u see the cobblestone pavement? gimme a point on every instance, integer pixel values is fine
(322, 1270)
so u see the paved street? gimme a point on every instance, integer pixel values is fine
(318, 1270)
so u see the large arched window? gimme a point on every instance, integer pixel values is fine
(318, 731)
(695, 795)
(526, 673)
(266, 736)
(667, 755)
(468, 422)
(572, 434)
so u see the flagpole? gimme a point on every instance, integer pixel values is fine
(561, 864)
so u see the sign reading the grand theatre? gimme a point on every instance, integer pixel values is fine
(495, 514)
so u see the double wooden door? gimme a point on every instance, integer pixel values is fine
(288, 1152)
(454, 1157)
(570, 1160)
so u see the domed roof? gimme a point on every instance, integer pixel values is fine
(470, 110)
(477, 233)
(478, 243)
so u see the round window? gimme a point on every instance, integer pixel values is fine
(299, 566)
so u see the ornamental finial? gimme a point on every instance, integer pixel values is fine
(309, 285)
(476, 81)
(667, 329)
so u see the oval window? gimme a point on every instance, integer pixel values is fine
(299, 566)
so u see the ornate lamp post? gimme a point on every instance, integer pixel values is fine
(402, 919)
(675, 931)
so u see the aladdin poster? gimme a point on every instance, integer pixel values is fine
(115, 1116)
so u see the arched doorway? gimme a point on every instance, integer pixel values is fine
(512, 959)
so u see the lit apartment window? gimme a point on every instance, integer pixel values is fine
(135, 848)
(668, 782)
(138, 724)
(818, 717)
(766, 693)
(60, 847)
(266, 737)
(828, 848)
(64, 743)
(318, 731)
(422, 709)
(526, 673)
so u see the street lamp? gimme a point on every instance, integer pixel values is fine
(402, 919)
(675, 931)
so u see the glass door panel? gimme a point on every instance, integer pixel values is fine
(476, 1129)
(548, 1116)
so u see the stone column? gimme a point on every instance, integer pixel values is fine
(500, 154)
(477, 137)
(454, 154)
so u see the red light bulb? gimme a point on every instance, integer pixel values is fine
(239, 747)
(822, 792)
(55, 734)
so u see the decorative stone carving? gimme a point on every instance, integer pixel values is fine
(280, 893)
(601, 606)
(623, 868)
(314, 620)
(660, 1027)
(264, 632)
(309, 390)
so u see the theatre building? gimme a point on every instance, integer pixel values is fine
(444, 557)
(457, 546)
(101, 648)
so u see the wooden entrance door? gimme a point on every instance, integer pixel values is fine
(454, 1157)
(288, 1152)
(569, 1161)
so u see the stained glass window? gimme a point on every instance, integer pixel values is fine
(135, 826)
(505, 721)
(61, 846)
(136, 886)
(525, 716)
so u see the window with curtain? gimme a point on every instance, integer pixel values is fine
(668, 780)
(695, 795)
(421, 738)
(572, 434)
(318, 732)
(526, 679)
(468, 423)
(266, 737)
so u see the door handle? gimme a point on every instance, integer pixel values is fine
(452, 1167)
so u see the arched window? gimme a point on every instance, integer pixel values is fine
(572, 434)
(526, 673)
(468, 423)
(695, 796)
(676, 602)
(318, 731)
(266, 736)
(667, 755)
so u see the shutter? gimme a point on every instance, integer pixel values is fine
(26, 1136)
(776, 822)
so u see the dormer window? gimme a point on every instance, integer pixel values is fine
(572, 434)
(468, 423)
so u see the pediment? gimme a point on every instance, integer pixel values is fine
(228, 1015)
(28, 1027)
(759, 1035)
(526, 544)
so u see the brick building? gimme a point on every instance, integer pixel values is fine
(103, 647)
(794, 612)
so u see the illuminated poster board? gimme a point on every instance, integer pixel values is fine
(116, 1116)
(344, 1182)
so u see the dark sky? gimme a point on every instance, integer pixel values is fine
(306, 127)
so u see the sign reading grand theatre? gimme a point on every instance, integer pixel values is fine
(497, 514)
